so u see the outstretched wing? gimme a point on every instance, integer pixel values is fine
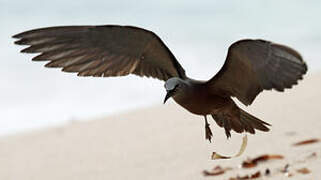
(109, 50)
(255, 65)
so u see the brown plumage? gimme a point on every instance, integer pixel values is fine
(102, 51)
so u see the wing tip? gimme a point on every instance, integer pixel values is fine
(16, 36)
(21, 35)
(305, 67)
(26, 50)
(19, 42)
(40, 58)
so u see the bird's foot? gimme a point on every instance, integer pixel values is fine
(208, 132)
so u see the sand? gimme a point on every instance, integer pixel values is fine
(167, 142)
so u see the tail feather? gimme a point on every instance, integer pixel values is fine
(240, 123)
(254, 122)
(247, 125)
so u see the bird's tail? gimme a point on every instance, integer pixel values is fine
(244, 122)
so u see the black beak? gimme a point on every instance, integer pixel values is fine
(168, 95)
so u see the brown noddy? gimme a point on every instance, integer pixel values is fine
(251, 66)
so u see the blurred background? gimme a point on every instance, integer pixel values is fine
(197, 32)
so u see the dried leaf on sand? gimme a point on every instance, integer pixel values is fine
(305, 142)
(218, 170)
(303, 171)
(250, 163)
(252, 176)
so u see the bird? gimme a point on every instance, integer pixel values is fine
(251, 66)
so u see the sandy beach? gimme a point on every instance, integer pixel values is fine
(167, 142)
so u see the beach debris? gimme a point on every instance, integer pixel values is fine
(303, 171)
(308, 141)
(218, 170)
(251, 176)
(256, 175)
(250, 163)
(288, 174)
(285, 171)
(216, 156)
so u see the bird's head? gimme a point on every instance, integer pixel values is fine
(172, 86)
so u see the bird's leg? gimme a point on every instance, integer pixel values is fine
(208, 132)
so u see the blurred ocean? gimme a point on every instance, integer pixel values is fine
(197, 32)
